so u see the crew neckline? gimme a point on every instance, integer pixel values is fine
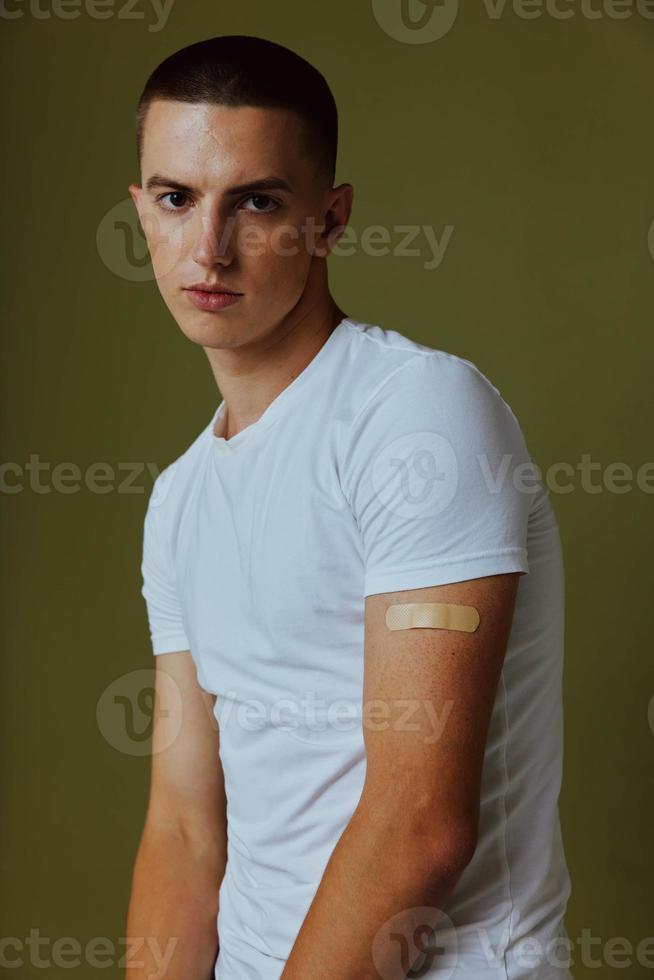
(281, 402)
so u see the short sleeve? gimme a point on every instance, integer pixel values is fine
(438, 477)
(167, 632)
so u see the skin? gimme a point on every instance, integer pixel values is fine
(182, 853)
(270, 245)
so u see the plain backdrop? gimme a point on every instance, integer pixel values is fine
(531, 139)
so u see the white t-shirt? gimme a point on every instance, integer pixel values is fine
(385, 465)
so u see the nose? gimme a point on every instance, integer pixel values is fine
(213, 242)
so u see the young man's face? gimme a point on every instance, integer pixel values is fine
(201, 228)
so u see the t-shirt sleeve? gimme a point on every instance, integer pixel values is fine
(436, 472)
(167, 632)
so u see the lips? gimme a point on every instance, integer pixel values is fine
(205, 287)
(212, 299)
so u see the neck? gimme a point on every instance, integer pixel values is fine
(252, 376)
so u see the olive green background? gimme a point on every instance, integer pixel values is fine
(532, 137)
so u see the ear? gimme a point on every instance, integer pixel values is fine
(337, 215)
(135, 193)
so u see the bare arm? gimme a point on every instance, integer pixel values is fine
(415, 827)
(171, 921)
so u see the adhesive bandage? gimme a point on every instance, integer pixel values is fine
(435, 615)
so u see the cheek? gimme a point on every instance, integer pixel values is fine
(166, 244)
(287, 249)
(284, 241)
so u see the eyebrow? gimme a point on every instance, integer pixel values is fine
(262, 184)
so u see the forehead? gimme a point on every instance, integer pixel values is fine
(198, 141)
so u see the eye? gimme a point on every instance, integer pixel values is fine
(171, 194)
(262, 197)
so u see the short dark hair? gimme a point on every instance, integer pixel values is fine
(242, 70)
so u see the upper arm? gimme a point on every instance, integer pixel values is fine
(439, 479)
(427, 700)
(438, 476)
(187, 791)
(159, 589)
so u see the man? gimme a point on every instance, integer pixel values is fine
(338, 790)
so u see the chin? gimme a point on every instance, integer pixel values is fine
(218, 330)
